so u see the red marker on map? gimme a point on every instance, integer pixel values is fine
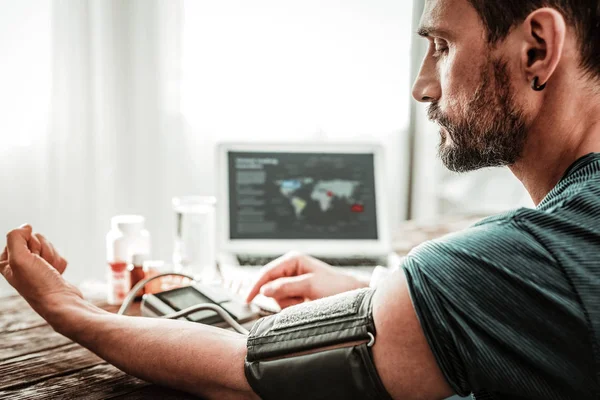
(329, 194)
(357, 208)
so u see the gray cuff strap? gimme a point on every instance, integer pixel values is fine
(316, 350)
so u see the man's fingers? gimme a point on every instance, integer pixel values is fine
(35, 246)
(291, 301)
(6, 272)
(283, 266)
(61, 264)
(3, 266)
(47, 250)
(4, 255)
(294, 286)
(21, 242)
(16, 243)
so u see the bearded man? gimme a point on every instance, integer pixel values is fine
(508, 309)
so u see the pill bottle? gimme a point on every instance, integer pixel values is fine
(127, 237)
(136, 272)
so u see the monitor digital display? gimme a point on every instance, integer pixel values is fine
(185, 297)
(279, 195)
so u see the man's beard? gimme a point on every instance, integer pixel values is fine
(491, 132)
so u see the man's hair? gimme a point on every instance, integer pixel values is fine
(500, 16)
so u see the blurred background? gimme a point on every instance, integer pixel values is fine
(114, 107)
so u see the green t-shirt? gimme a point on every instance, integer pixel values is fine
(511, 306)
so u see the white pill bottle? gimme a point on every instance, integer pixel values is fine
(126, 238)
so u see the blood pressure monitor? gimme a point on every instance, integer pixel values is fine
(172, 301)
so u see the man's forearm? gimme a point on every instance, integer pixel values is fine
(191, 357)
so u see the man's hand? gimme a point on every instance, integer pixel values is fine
(33, 267)
(295, 278)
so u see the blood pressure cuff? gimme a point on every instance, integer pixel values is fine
(316, 350)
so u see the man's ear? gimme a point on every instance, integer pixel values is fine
(545, 30)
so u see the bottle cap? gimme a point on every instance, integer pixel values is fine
(139, 259)
(128, 224)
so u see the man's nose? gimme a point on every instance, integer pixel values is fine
(427, 87)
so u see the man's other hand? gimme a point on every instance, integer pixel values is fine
(295, 278)
(31, 265)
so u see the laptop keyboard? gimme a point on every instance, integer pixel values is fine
(336, 262)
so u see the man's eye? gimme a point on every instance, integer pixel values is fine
(440, 49)
(440, 52)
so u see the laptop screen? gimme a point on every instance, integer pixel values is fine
(278, 195)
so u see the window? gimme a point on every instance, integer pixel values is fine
(304, 69)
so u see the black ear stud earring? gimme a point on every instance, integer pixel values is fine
(536, 86)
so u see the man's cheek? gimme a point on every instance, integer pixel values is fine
(453, 94)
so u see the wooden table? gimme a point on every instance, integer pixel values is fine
(38, 363)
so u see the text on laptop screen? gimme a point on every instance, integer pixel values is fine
(275, 195)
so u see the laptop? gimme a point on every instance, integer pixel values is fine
(325, 200)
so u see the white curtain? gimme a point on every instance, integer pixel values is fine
(114, 141)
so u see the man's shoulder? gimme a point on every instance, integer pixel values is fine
(498, 249)
(571, 211)
(492, 239)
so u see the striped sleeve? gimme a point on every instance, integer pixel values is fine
(498, 313)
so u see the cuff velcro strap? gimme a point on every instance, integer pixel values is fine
(316, 350)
